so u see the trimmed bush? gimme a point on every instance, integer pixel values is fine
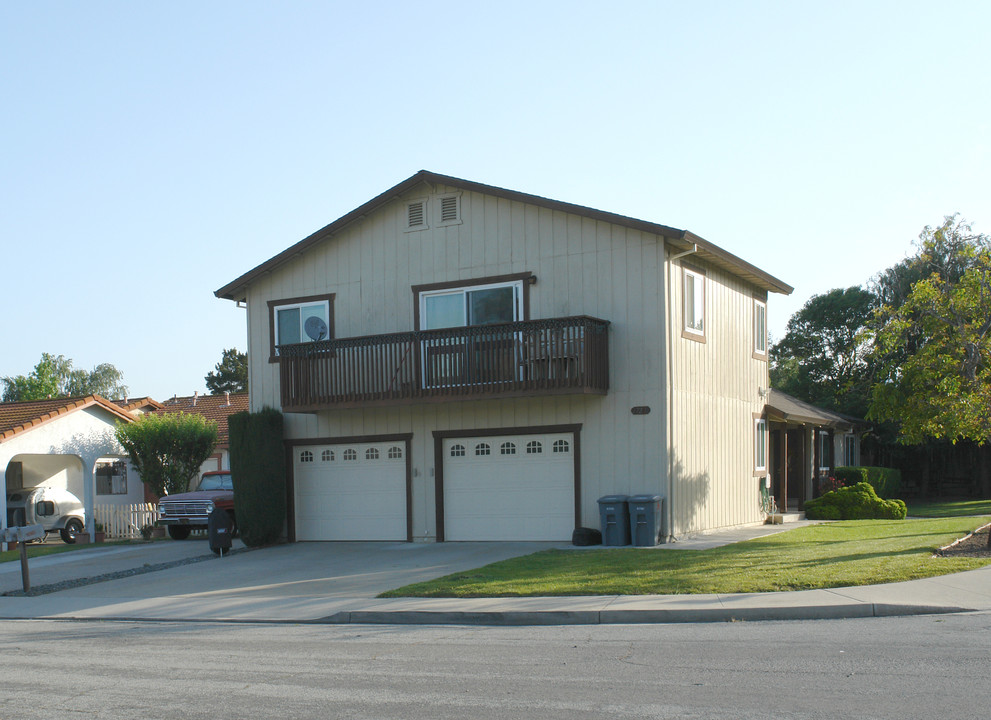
(258, 470)
(887, 482)
(856, 502)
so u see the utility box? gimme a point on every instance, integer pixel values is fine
(218, 530)
(614, 515)
(646, 519)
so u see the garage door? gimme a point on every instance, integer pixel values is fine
(519, 487)
(353, 491)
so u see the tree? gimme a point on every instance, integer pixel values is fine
(167, 449)
(55, 377)
(823, 357)
(231, 374)
(934, 349)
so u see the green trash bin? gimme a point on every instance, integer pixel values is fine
(646, 519)
(615, 518)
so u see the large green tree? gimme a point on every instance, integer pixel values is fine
(230, 375)
(167, 449)
(54, 376)
(934, 349)
(823, 357)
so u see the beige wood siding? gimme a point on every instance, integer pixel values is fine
(582, 266)
(702, 396)
(714, 392)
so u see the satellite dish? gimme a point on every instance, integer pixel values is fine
(315, 328)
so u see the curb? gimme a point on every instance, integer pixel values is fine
(632, 617)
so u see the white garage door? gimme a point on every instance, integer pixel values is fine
(519, 487)
(351, 491)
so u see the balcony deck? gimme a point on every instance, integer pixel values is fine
(527, 358)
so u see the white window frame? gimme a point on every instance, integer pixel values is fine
(302, 333)
(825, 450)
(693, 324)
(517, 286)
(760, 328)
(760, 445)
(850, 450)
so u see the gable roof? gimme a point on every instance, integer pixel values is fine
(132, 404)
(19, 417)
(781, 406)
(213, 407)
(682, 239)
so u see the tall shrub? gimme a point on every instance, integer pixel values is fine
(887, 482)
(258, 471)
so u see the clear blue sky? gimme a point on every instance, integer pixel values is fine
(152, 152)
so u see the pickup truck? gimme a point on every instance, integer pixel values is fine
(183, 512)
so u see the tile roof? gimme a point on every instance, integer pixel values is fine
(131, 404)
(212, 407)
(19, 417)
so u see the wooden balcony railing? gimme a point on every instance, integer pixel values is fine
(534, 357)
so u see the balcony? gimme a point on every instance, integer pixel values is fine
(529, 358)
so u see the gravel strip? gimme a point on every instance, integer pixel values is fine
(80, 582)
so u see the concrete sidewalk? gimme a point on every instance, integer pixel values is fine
(339, 582)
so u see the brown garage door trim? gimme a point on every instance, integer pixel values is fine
(291, 445)
(441, 435)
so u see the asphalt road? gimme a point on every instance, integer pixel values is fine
(915, 667)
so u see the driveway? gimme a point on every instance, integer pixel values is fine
(274, 582)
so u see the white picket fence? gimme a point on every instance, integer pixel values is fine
(125, 521)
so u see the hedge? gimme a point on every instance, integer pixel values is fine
(857, 502)
(258, 471)
(887, 482)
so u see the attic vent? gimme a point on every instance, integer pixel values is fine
(416, 215)
(450, 209)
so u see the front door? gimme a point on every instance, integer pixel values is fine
(795, 467)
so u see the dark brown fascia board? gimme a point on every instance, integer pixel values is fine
(236, 290)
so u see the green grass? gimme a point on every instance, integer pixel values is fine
(862, 552)
(959, 508)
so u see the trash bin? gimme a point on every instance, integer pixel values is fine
(646, 518)
(218, 530)
(615, 518)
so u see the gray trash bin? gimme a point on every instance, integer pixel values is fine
(646, 518)
(615, 518)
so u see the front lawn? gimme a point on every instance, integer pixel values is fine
(862, 552)
(40, 550)
(949, 508)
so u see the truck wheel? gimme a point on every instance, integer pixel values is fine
(179, 532)
(72, 528)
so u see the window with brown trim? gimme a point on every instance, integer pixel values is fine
(693, 303)
(760, 329)
(299, 320)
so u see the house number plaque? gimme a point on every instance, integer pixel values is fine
(640, 410)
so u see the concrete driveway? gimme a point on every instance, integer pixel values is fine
(274, 582)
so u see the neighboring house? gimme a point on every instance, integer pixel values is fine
(67, 443)
(213, 407)
(806, 444)
(463, 362)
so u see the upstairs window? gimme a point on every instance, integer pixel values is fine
(760, 329)
(693, 304)
(474, 305)
(300, 320)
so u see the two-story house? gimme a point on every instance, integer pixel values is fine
(463, 362)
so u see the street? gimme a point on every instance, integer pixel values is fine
(912, 667)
